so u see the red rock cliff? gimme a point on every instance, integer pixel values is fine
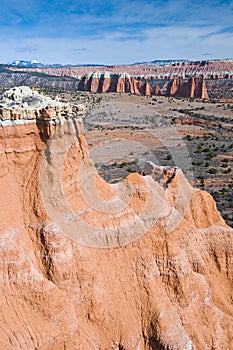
(109, 82)
(146, 264)
(193, 87)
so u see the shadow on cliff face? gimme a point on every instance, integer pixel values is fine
(154, 344)
(151, 339)
(45, 130)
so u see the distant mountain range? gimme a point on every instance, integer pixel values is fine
(37, 64)
(31, 64)
(161, 62)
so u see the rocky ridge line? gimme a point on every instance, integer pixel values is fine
(208, 69)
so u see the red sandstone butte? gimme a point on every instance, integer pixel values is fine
(149, 265)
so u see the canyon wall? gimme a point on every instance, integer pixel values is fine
(143, 264)
(109, 82)
(103, 82)
(124, 83)
(193, 87)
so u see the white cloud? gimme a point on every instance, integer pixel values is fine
(131, 31)
(169, 42)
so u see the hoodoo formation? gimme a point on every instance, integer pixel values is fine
(143, 264)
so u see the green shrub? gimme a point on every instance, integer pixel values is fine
(199, 162)
(213, 171)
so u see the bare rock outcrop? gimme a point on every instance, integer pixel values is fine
(106, 81)
(193, 87)
(26, 104)
(143, 264)
(110, 82)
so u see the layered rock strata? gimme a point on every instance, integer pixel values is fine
(194, 87)
(216, 69)
(143, 264)
(22, 103)
(124, 83)
(109, 82)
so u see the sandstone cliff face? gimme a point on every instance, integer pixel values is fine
(109, 82)
(148, 265)
(157, 91)
(124, 83)
(194, 87)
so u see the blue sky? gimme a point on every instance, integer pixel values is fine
(115, 32)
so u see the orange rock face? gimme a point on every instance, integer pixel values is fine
(194, 87)
(124, 83)
(109, 82)
(146, 264)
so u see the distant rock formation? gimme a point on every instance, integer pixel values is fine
(209, 69)
(193, 87)
(110, 82)
(124, 83)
